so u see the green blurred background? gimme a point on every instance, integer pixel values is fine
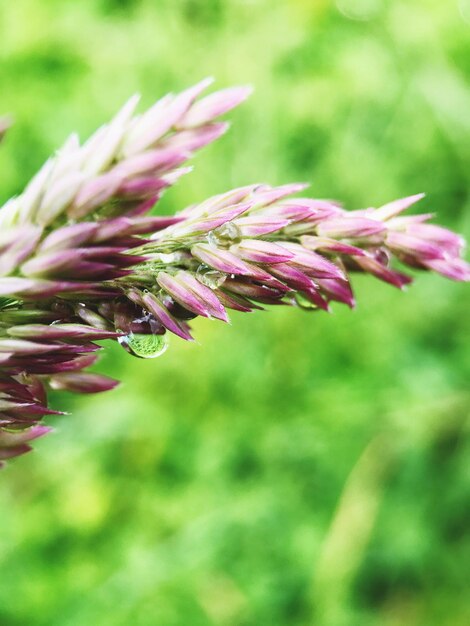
(291, 469)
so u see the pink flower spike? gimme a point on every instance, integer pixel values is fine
(158, 309)
(94, 193)
(414, 246)
(220, 201)
(158, 160)
(196, 138)
(82, 382)
(220, 259)
(374, 267)
(205, 295)
(350, 228)
(339, 290)
(292, 276)
(288, 211)
(260, 251)
(237, 303)
(19, 250)
(151, 224)
(248, 289)
(392, 209)
(453, 268)
(60, 331)
(175, 175)
(160, 118)
(259, 224)
(192, 294)
(330, 245)
(13, 439)
(214, 105)
(403, 222)
(312, 263)
(452, 243)
(69, 236)
(9, 453)
(308, 209)
(82, 253)
(210, 222)
(314, 296)
(142, 187)
(268, 196)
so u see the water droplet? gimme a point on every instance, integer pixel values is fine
(167, 258)
(212, 238)
(144, 346)
(227, 233)
(209, 277)
(304, 303)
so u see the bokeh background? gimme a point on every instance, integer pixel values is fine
(292, 469)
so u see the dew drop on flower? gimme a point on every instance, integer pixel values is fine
(144, 346)
(167, 258)
(227, 233)
(210, 278)
(305, 303)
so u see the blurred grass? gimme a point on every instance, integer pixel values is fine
(291, 469)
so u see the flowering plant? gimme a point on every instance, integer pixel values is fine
(82, 259)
